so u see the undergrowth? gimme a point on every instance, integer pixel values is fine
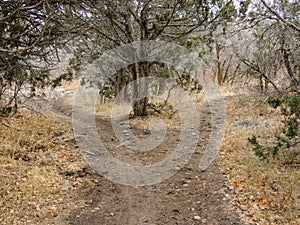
(35, 152)
(265, 191)
(287, 140)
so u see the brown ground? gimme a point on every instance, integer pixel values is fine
(45, 180)
(176, 200)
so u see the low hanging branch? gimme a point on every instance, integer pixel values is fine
(252, 66)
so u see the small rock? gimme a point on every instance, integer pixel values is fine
(175, 211)
(202, 168)
(197, 218)
(66, 186)
(204, 221)
(185, 185)
(147, 132)
(230, 188)
(243, 207)
(246, 122)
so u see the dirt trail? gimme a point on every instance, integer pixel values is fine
(188, 197)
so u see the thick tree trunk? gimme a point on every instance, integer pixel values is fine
(140, 88)
(140, 107)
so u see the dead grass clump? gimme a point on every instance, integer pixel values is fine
(158, 108)
(267, 192)
(35, 153)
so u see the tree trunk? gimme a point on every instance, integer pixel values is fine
(286, 60)
(140, 107)
(140, 88)
(219, 65)
(261, 84)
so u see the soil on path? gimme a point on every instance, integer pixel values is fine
(188, 197)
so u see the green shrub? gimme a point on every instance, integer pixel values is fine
(288, 137)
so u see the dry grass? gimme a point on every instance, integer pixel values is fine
(169, 113)
(267, 192)
(35, 154)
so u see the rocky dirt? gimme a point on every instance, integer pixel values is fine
(188, 197)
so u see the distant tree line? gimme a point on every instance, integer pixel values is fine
(245, 40)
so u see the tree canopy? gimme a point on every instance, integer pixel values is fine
(256, 38)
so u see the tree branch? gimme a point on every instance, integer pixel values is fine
(295, 27)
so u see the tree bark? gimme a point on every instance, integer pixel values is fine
(139, 89)
(219, 65)
(286, 61)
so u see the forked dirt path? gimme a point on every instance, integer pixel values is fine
(188, 197)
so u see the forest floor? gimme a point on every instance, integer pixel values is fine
(46, 180)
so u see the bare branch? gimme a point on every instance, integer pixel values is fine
(295, 27)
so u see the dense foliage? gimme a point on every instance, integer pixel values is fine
(32, 34)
